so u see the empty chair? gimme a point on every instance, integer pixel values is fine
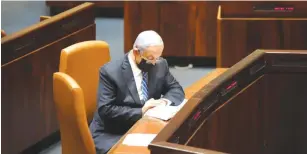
(75, 93)
(68, 97)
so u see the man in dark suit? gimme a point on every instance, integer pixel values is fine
(131, 86)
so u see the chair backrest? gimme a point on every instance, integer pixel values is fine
(82, 61)
(69, 102)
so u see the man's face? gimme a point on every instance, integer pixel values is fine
(152, 54)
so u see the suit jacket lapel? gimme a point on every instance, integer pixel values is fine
(152, 82)
(129, 79)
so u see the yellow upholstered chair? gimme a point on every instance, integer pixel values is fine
(82, 61)
(75, 93)
(68, 97)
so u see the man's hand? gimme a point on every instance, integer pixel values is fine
(151, 104)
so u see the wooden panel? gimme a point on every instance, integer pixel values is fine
(261, 119)
(139, 16)
(131, 24)
(264, 30)
(295, 34)
(245, 9)
(27, 99)
(187, 28)
(234, 127)
(301, 125)
(239, 38)
(192, 25)
(177, 32)
(229, 116)
(284, 120)
(149, 15)
(206, 28)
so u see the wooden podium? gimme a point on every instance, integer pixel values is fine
(257, 106)
(243, 27)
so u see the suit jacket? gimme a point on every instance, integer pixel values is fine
(119, 105)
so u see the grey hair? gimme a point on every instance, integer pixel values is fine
(146, 39)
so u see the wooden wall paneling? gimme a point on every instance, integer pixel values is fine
(160, 16)
(149, 15)
(285, 126)
(132, 23)
(139, 16)
(301, 125)
(177, 22)
(295, 34)
(234, 127)
(29, 112)
(245, 9)
(286, 33)
(206, 27)
(266, 114)
(187, 28)
(262, 119)
(239, 38)
(231, 43)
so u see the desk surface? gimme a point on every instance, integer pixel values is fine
(154, 126)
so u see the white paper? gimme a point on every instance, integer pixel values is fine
(138, 139)
(165, 112)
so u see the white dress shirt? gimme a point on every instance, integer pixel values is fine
(137, 73)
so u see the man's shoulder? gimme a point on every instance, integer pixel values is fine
(112, 66)
(163, 62)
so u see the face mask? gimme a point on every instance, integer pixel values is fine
(144, 66)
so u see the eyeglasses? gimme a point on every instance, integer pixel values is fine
(151, 60)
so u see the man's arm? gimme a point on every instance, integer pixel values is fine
(107, 108)
(172, 90)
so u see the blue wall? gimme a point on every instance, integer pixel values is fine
(16, 15)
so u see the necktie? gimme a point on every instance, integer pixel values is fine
(144, 86)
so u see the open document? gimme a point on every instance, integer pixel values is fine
(165, 112)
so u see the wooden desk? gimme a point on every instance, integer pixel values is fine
(154, 126)
(256, 106)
